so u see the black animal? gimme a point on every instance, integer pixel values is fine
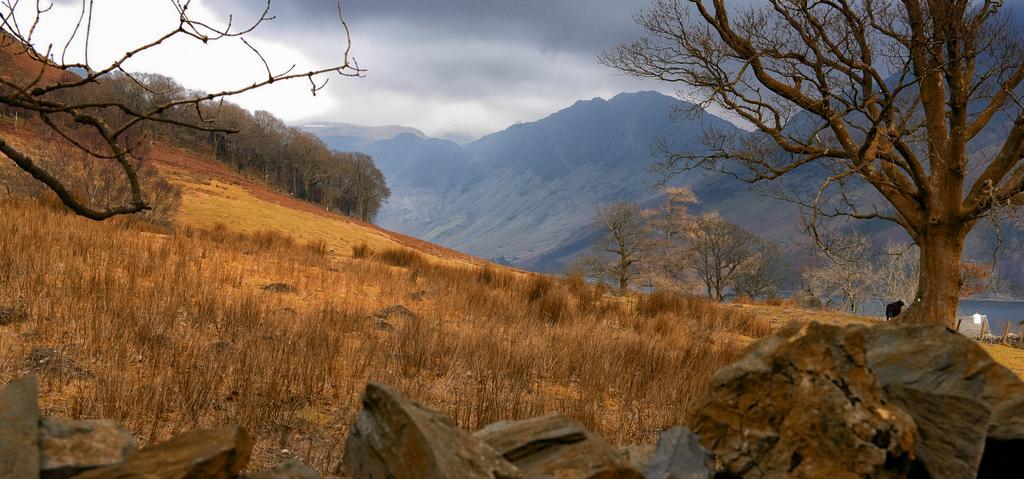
(893, 309)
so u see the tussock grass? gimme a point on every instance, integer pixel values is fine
(166, 330)
(360, 251)
(401, 257)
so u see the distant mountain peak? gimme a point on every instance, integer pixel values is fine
(362, 132)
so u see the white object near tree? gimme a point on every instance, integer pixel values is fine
(973, 326)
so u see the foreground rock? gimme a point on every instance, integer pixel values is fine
(558, 447)
(279, 288)
(679, 455)
(951, 430)
(68, 448)
(803, 403)
(638, 455)
(943, 367)
(288, 470)
(19, 429)
(397, 439)
(213, 454)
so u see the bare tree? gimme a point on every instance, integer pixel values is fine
(623, 248)
(669, 266)
(57, 92)
(720, 252)
(898, 272)
(766, 276)
(847, 272)
(882, 93)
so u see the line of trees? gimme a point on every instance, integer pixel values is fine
(111, 115)
(258, 144)
(667, 248)
(299, 163)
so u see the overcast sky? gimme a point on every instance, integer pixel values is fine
(452, 68)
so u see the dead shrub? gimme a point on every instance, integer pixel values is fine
(360, 250)
(400, 257)
(660, 302)
(268, 240)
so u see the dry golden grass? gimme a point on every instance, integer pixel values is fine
(786, 313)
(170, 330)
(214, 195)
(1012, 358)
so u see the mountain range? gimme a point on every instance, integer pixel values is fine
(527, 195)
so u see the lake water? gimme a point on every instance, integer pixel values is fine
(999, 312)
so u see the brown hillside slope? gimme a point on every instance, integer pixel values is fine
(213, 194)
(167, 331)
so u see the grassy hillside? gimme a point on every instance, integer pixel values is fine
(170, 329)
(214, 195)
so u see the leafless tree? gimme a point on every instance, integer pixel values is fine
(720, 252)
(768, 273)
(669, 265)
(624, 246)
(847, 271)
(881, 93)
(54, 93)
(898, 272)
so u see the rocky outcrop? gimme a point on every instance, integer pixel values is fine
(213, 454)
(638, 455)
(69, 448)
(396, 438)
(288, 470)
(557, 446)
(19, 429)
(48, 448)
(680, 455)
(953, 381)
(951, 430)
(883, 401)
(803, 403)
(279, 288)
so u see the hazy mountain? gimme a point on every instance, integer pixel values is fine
(351, 137)
(527, 194)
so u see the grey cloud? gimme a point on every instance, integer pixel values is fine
(586, 25)
(517, 60)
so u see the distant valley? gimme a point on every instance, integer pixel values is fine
(526, 195)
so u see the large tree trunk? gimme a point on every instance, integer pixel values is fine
(938, 287)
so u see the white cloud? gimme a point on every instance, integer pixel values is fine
(226, 64)
(426, 75)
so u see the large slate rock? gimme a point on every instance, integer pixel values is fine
(951, 430)
(638, 455)
(397, 439)
(68, 448)
(679, 455)
(209, 454)
(803, 403)
(19, 429)
(287, 470)
(935, 360)
(557, 446)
